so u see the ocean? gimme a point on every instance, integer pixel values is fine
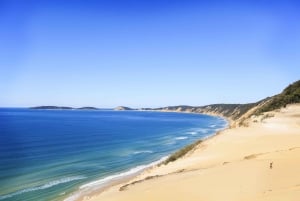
(50, 154)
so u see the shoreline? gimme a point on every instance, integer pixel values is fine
(85, 194)
(259, 145)
(100, 185)
(230, 122)
(88, 190)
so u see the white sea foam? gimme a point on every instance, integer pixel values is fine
(120, 175)
(192, 133)
(143, 152)
(181, 138)
(204, 130)
(44, 186)
(101, 182)
(213, 126)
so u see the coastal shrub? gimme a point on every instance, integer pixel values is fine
(181, 152)
(266, 116)
(289, 95)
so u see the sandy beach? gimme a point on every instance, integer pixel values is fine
(258, 162)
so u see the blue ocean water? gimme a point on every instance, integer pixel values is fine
(48, 154)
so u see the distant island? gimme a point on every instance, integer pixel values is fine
(62, 108)
(52, 108)
(123, 108)
(88, 108)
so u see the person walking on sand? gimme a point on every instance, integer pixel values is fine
(271, 165)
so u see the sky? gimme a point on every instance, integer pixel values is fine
(146, 53)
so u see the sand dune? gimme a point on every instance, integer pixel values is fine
(258, 162)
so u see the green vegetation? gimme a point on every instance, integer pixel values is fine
(181, 152)
(289, 95)
(233, 111)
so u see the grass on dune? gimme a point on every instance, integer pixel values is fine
(180, 153)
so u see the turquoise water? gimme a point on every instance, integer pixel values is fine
(48, 154)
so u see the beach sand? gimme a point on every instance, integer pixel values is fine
(257, 162)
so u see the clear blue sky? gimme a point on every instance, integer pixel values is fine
(146, 53)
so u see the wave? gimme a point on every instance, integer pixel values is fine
(204, 131)
(143, 152)
(101, 182)
(44, 186)
(191, 132)
(121, 175)
(173, 140)
(181, 138)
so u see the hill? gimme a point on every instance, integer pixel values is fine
(238, 113)
(289, 95)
